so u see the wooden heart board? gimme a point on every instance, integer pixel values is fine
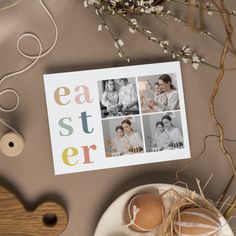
(48, 219)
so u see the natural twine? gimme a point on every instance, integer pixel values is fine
(35, 59)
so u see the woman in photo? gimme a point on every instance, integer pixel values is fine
(110, 97)
(134, 139)
(166, 86)
(159, 102)
(128, 99)
(161, 140)
(174, 134)
(120, 143)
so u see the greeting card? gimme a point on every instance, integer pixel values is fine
(116, 117)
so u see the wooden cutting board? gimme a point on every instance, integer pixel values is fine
(49, 219)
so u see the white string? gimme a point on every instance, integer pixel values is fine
(34, 57)
(54, 42)
(135, 210)
(19, 72)
(11, 5)
(8, 126)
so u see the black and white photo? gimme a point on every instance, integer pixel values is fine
(163, 131)
(118, 97)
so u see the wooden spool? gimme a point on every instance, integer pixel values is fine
(11, 144)
(48, 219)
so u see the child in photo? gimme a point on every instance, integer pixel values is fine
(159, 101)
(120, 143)
(110, 97)
(161, 140)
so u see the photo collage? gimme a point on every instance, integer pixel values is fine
(140, 114)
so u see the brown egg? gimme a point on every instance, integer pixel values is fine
(197, 221)
(145, 212)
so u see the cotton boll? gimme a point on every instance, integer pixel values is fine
(145, 212)
(197, 222)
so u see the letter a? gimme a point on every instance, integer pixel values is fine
(83, 96)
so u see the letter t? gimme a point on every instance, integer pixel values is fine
(84, 118)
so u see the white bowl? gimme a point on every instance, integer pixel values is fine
(112, 224)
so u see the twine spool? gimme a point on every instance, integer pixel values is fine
(12, 144)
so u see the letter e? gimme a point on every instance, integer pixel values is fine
(69, 152)
(61, 92)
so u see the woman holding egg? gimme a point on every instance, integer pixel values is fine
(120, 143)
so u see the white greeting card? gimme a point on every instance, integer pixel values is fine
(116, 117)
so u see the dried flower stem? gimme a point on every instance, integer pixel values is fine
(229, 30)
(198, 156)
(202, 21)
(143, 32)
(159, 18)
(230, 209)
(225, 16)
(113, 11)
(201, 31)
(212, 109)
(187, 24)
(191, 12)
(197, 6)
(222, 197)
(120, 50)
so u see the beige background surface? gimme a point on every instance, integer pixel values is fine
(81, 46)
